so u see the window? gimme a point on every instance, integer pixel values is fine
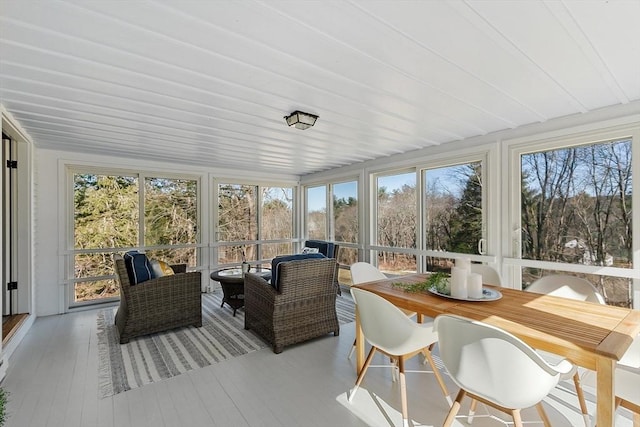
(396, 215)
(340, 224)
(171, 219)
(452, 213)
(107, 216)
(346, 221)
(276, 221)
(453, 208)
(317, 212)
(576, 209)
(255, 223)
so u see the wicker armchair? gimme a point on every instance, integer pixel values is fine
(158, 304)
(303, 307)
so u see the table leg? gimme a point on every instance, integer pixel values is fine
(359, 345)
(606, 406)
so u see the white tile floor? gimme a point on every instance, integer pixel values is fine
(52, 380)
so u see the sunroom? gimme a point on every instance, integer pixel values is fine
(505, 133)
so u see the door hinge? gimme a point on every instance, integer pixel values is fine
(12, 164)
(12, 286)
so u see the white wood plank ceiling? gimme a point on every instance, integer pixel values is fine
(208, 82)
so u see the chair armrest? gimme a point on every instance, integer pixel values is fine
(254, 284)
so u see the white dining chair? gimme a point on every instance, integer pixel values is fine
(576, 288)
(495, 367)
(362, 272)
(391, 332)
(561, 285)
(489, 274)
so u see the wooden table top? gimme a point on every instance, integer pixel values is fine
(577, 330)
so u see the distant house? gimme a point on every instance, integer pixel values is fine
(578, 250)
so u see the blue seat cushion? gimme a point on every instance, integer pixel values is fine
(324, 247)
(138, 267)
(283, 258)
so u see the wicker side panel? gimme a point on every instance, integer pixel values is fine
(304, 307)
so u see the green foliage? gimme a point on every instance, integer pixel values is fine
(106, 211)
(4, 398)
(438, 281)
(467, 221)
(106, 215)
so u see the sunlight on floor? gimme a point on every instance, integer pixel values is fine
(377, 403)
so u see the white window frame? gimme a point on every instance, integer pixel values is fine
(69, 251)
(330, 223)
(214, 241)
(513, 150)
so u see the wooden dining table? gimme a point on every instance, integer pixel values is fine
(594, 336)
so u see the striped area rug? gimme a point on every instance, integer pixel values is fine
(155, 357)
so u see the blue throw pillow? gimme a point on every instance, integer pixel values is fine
(277, 260)
(138, 267)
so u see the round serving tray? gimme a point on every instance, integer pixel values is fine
(487, 295)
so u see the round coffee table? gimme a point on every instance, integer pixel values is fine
(232, 283)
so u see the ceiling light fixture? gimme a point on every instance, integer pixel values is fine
(301, 120)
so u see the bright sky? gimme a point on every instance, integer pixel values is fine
(445, 177)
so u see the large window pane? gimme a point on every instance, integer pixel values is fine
(105, 216)
(277, 213)
(170, 211)
(576, 205)
(396, 210)
(237, 214)
(317, 212)
(453, 208)
(245, 218)
(576, 209)
(105, 211)
(345, 211)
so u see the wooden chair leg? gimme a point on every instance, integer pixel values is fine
(403, 392)
(451, 416)
(367, 362)
(517, 419)
(636, 420)
(581, 400)
(472, 410)
(436, 372)
(543, 415)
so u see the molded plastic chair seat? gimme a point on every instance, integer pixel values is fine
(362, 272)
(392, 333)
(489, 274)
(495, 367)
(565, 286)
